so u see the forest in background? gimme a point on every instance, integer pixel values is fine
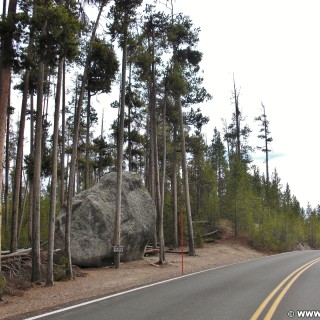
(57, 61)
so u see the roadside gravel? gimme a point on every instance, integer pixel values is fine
(104, 281)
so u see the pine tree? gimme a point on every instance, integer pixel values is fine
(185, 88)
(102, 72)
(123, 14)
(265, 135)
(7, 54)
(49, 273)
(239, 157)
(36, 262)
(217, 156)
(75, 145)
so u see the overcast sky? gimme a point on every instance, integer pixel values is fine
(272, 48)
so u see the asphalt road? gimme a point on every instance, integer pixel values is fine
(277, 287)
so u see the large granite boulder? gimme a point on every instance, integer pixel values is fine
(93, 220)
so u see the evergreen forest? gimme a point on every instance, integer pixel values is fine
(57, 57)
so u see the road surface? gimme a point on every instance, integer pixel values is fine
(285, 286)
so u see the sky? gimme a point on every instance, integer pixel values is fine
(272, 48)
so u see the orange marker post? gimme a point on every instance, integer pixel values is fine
(181, 241)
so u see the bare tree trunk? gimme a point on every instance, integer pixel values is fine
(157, 189)
(129, 124)
(237, 113)
(18, 167)
(6, 190)
(152, 148)
(31, 155)
(238, 155)
(153, 122)
(63, 134)
(267, 139)
(149, 171)
(36, 262)
(96, 179)
(4, 8)
(151, 168)
(78, 175)
(175, 189)
(23, 202)
(186, 181)
(87, 178)
(3, 115)
(0, 241)
(151, 155)
(147, 152)
(117, 229)
(54, 179)
(5, 78)
(164, 160)
(75, 149)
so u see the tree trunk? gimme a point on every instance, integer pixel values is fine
(63, 134)
(23, 202)
(153, 122)
(186, 181)
(87, 178)
(31, 155)
(163, 182)
(117, 229)
(78, 175)
(157, 182)
(6, 190)
(129, 124)
(36, 262)
(53, 198)
(266, 140)
(237, 113)
(175, 189)
(4, 95)
(151, 170)
(0, 239)
(4, 8)
(75, 149)
(5, 78)
(150, 176)
(152, 156)
(100, 152)
(238, 156)
(18, 167)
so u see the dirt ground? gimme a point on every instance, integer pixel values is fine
(98, 282)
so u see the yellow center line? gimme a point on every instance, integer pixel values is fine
(285, 290)
(263, 305)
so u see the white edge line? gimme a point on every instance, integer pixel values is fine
(150, 285)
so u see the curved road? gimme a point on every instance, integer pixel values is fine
(276, 287)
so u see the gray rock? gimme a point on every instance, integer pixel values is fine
(93, 219)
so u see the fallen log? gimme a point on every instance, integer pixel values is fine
(208, 240)
(210, 233)
(19, 253)
(177, 251)
(151, 251)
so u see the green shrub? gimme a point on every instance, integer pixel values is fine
(60, 269)
(2, 284)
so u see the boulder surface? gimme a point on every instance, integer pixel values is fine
(93, 220)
